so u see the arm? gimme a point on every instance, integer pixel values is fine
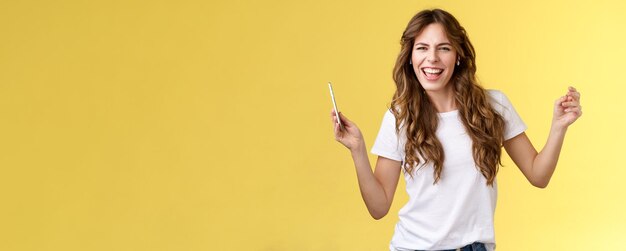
(539, 167)
(379, 187)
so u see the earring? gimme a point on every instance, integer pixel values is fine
(410, 62)
(458, 62)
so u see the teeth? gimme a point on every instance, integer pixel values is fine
(432, 71)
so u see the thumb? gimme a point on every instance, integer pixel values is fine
(344, 119)
(560, 100)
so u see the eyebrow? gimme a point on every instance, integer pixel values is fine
(425, 44)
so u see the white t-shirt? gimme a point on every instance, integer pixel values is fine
(459, 209)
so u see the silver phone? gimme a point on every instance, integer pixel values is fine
(332, 97)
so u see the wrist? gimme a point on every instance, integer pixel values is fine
(558, 129)
(358, 148)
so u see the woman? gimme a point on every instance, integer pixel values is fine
(446, 133)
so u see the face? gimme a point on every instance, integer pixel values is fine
(433, 58)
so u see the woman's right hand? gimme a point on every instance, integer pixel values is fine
(350, 136)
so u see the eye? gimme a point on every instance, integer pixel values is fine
(420, 48)
(445, 48)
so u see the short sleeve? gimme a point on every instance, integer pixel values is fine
(513, 122)
(387, 142)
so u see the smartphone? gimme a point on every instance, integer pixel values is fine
(332, 97)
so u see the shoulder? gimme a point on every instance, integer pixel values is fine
(498, 99)
(500, 102)
(389, 115)
(494, 94)
(502, 105)
(389, 120)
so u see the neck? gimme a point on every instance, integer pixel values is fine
(442, 100)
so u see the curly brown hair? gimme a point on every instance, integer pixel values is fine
(416, 115)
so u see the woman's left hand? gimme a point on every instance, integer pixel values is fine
(567, 109)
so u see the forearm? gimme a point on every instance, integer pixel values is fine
(372, 191)
(546, 160)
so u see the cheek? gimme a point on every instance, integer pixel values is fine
(450, 61)
(416, 60)
(413, 58)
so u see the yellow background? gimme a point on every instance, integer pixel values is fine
(204, 125)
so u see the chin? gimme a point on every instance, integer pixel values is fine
(433, 87)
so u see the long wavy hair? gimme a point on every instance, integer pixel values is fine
(416, 115)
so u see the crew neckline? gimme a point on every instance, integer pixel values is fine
(448, 114)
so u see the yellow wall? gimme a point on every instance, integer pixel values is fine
(203, 125)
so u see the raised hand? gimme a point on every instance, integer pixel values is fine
(350, 136)
(567, 109)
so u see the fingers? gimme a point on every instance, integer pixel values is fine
(333, 116)
(573, 93)
(344, 120)
(570, 103)
(574, 110)
(560, 101)
(573, 99)
(338, 129)
(337, 132)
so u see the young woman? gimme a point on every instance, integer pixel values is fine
(446, 133)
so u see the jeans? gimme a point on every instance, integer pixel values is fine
(476, 246)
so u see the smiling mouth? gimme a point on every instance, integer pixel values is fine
(432, 73)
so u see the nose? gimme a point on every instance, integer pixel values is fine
(432, 56)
